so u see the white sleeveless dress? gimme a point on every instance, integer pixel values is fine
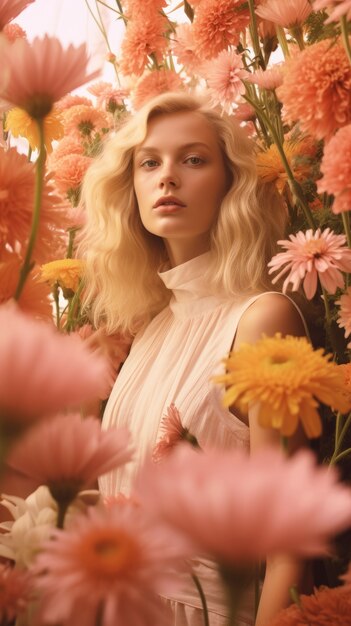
(174, 360)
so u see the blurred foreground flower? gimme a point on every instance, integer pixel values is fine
(66, 272)
(312, 255)
(173, 433)
(286, 14)
(336, 170)
(239, 508)
(40, 73)
(287, 379)
(325, 607)
(21, 124)
(68, 453)
(337, 9)
(108, 568)
(42, 371)
(15, 593)
(10, 9)
(35, 297)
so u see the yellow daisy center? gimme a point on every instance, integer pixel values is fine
(315, 247)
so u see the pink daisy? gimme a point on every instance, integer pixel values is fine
(184, 48)
(268, 79)
(17, 185)
(108, 97)
(173, 432)
(286, 14)
(312, 255)
(238, 507)
(109, 567)
(42, 371)
(154, 83)
(338, 8)
(10, 9)
(68, 453)
(13, 32)
(144, 36)
(42, 72)
(336, 170)
(316, 90)
(225, 75)
(344, 319)
(218, 24)
(15, 593)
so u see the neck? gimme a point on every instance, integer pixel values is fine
(182, 251)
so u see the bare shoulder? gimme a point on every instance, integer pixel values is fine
(269, 314)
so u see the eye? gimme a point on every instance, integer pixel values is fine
(194, 160)
(148, 164)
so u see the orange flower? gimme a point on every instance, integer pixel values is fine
(70, 101)
(66, 272)
(325, 607)
(144, 36)
(218, 24)
(344, 319)
(82, 120)
(154, 83)
(13, 32)
(35, 297)
(150, 6)
(316, 90)
(22, 125)
(336, 170)
(299, 155)
(268, 79)
(286, 14)
(67, 146)
(184, 47)
(9, 10)
(69, 174)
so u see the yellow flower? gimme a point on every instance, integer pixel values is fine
(66, 272)
(270, 167)
(23, 125)
(287, 379)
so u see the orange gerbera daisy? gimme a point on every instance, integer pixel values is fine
(316, 90)
(299, 154)
(154, 83)
(218, 24)
(144, 37)
(20, 124)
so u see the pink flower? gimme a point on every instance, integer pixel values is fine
(286, 14)
(312, 255)
(70, 101)
(218, 24)
(70, 171)
(324, 607)
(108, 97)
(15, 592)
(154, 83)
(238, 507)
(336, 170)
(268, 79)
(41, 73)
(225, 75)
(244, 112)
(344, 319)
(67, 453)
(13, 32)
(81, 120)
(339, 8)
(144, 36)
(10, 9)
(112, 563)
(173, 433)
(184, 48)
(42, 371)
(317, 89)
(151, 7)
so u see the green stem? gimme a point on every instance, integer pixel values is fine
(285, 444)
(326, 306)
(29, 154)
(61, 514)
(72, 305)
(345, 36)
(202, 598)
(340, 456)
(282, 41)
(71, 237)
(55, 292)
(39, 183)
(346, 223)
(339, 437)
(109, 7)
(297, 33)
(338, 429)
(254, 36)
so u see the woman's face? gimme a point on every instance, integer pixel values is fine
(180, 180)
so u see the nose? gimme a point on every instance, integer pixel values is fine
(169, 178)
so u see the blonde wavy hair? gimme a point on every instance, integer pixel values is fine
(123, 289)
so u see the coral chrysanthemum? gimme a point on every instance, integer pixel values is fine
(40, 73)
(184, 47)
(43, 371)
(344, 319)
(173, 433)
(286, 14)
(17, 185)
(155, 83)
(311, 256)
(287, 379)
(70, 101)
(13, 32)
(317, 89)
(66, 272)
(338, 8)
(69, 173)
(144, 36)
(270, 167)
(239, 508)
(336, 170)
(67, 146)
(20, 124)
(110, 565)
(218, 24)
(225, 75)
(15, 593)
(132, 7)
(34, 298)
(10, 9)
(82, 120)
(325, 607)
(68, 453)
(268, 79)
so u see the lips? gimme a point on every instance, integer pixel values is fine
(168, 201)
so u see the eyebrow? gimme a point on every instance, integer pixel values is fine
(185, 146)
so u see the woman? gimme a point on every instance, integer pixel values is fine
(178, 238)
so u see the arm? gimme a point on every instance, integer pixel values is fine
(270, 314)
